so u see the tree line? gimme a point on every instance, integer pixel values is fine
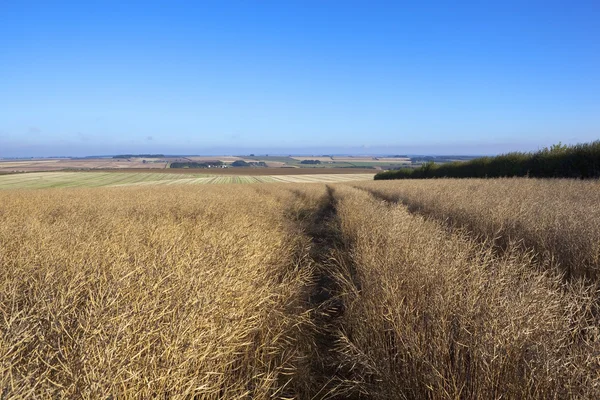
(558, 161)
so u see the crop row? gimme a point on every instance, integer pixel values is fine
(151, 292)
(438, 314)
(557, 219)
(39, 180)
(351, 290)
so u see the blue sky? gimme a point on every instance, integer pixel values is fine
(85, 77)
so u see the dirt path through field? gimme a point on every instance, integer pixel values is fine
(332, 264)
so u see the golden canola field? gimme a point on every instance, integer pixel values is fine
(432, 289)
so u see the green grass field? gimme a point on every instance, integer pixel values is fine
(38, 180)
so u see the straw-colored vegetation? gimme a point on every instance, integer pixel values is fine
(303, 291)
(433, 314)
(559, 219)
(137, 292)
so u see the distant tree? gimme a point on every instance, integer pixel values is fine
(193, 164)
(311, 162)
(557, 161)
(428, 166)
(557, 148)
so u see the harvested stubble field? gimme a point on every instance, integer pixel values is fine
(40, 180)
(58, 164)
(307, 291)
(257, 171)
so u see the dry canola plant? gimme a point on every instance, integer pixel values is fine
(559, 219)
(300, 291)
(436, 314)
(151, 292)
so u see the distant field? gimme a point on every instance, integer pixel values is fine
(254, 171)
(276, 165)
(38, 180)
(17, 164)
(66, 163)
(352, 160)
(81, 179)
(225, 159)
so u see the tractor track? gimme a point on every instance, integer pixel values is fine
(331, 260)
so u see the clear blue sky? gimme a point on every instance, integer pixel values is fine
(85, 77)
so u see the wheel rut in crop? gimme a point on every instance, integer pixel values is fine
(500, 243)
(330, 257)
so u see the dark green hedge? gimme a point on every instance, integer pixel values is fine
(559, 161)
(242, 163)
(193, 164)
(310, 162)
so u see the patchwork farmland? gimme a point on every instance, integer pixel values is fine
(38, 180)
(145, 285)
